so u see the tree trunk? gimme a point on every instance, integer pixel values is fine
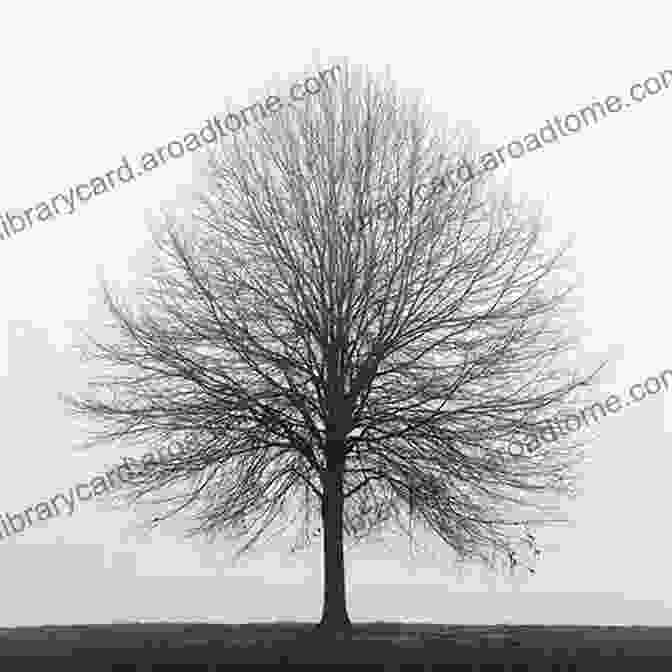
(334, 611)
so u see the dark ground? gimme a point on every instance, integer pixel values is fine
(156, 646)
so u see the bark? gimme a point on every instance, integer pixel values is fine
(334, 609)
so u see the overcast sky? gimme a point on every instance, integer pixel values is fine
(82, 88)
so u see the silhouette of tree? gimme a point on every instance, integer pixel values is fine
(329, 338)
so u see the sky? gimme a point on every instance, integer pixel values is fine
(81, 90)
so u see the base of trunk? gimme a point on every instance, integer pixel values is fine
(339, 627)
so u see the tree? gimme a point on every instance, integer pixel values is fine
(327, 336)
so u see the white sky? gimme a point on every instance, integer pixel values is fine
(82, 88)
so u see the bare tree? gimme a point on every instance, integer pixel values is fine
(330, 339)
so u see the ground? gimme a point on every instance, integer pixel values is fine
(378, 646)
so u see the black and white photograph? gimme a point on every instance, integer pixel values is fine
(334, 336)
